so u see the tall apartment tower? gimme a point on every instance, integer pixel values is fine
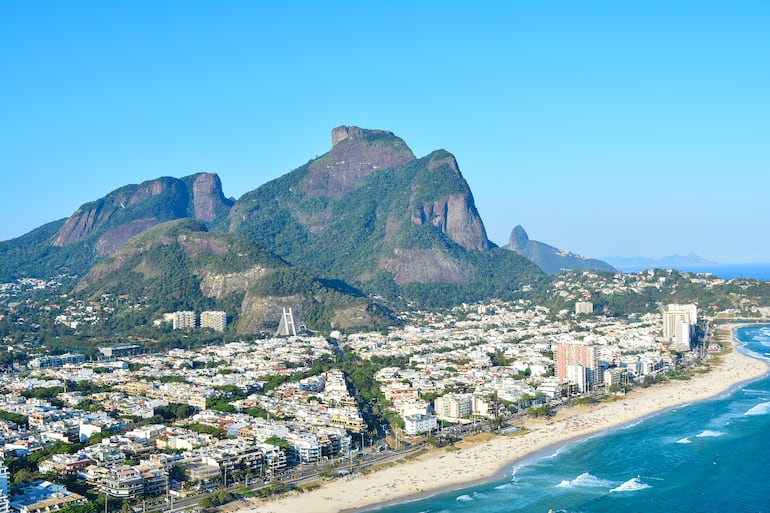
(675, 317)
(576, 373)
(578, 353)
(4, 501)
(215, 320)
(184, 320)
(453, 406)
(584, 307)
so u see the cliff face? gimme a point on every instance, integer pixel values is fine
(368, 213)
(369, 206)
(130, 210)
(209, 202)
(355, 154)
(455, 216)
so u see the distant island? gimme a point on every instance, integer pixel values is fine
(666, 262)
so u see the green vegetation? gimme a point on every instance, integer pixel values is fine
(216, 499)
(16, 418)
(175, 411)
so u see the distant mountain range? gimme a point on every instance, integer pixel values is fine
(550, 259)
(367, 219)
(667, 262)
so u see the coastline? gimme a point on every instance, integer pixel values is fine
(491, 457)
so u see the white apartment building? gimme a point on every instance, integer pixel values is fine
(453, 406)
(418, 424)
(678, 323)
(184, 320)
(584, 307)
(576, 373)
(216, 320)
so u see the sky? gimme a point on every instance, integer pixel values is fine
(605, 128)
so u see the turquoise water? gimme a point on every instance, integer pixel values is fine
(709, 456)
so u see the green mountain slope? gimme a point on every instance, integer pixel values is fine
(179, 265)
(371, 213)
(99, 227)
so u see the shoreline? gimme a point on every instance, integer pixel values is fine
(493, 457)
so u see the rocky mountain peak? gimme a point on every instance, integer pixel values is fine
(132, 209)
(550, 259)
(356, 153)
(208, 197)
(518, 238)
(353, 133)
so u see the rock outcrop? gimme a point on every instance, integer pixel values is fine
(130, 210)
(369, 206)
(356, 153)
(550, 259)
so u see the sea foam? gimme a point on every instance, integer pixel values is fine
(684, 440)
(708, 434)
(464, 498)
(585, 480)
(631, 485)
(760, 409)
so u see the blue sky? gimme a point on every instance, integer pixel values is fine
(605, 128)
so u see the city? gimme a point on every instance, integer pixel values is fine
(136, 426)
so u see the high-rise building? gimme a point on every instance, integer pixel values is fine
(453, 406)
(584, 307)
(215, 320)
(4, 501)
(571, 353)
(576, 373)
(682, 335)
(674, 317)
(184, 320)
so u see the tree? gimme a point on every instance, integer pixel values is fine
(24, 476)
(278, 442)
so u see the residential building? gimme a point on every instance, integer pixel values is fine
(4, 491)
(579, 352)
(123, 483)
(617, 376)
(675, 316)
(47, 362)
(215, 320)
(682, 335)
(184, 320)
(418, 424)
(584, 307)
(453, 406)
(576, 373)
(43, 497)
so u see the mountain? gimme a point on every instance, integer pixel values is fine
(99, 227)
(179, 265)
(367, 214)
(550, 259)
(371, 213)
(667, 262)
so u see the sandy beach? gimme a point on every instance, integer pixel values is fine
(478, 460)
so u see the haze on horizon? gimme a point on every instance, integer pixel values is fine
(604, 129)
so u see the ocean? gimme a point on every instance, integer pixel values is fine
(725, 271)
(710, 456)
